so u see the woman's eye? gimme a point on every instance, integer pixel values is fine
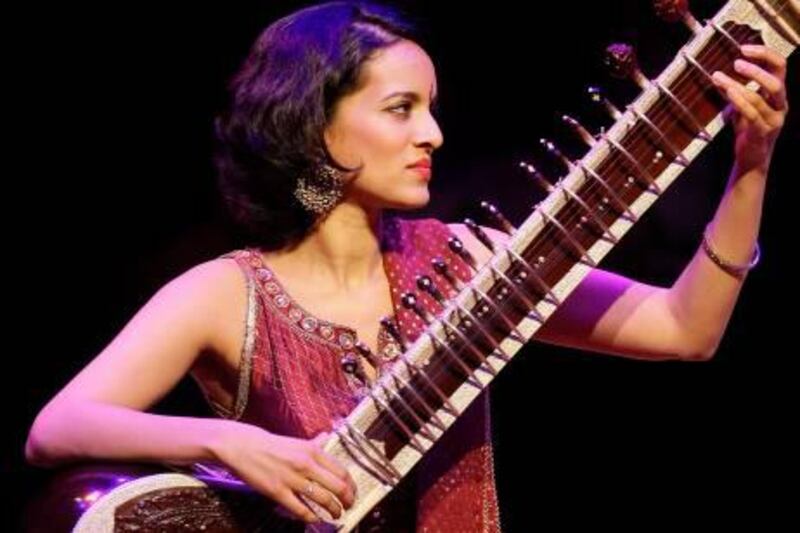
(402, 109)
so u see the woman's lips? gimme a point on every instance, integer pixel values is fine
(424, 171)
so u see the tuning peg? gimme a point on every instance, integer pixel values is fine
(366, 352)
(621, 59)
(538, 177)
(497, 217)
(479, 234)
(597, 96)
(426, 284)
(675, 10)
(389, 325)
(352, 365)
(553, 150)
(409, 301)
(582, 132)
(457, 247)
(440, 267)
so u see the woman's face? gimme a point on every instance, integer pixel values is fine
(386, 129)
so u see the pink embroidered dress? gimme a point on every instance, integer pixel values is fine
(291, 382)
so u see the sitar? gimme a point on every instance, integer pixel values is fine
(477, 332)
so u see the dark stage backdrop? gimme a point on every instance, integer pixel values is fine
(112, 194)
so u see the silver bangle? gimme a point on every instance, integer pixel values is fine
(737, 271)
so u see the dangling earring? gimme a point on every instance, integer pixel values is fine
(321, 189)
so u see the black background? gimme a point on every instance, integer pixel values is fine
(110, 193)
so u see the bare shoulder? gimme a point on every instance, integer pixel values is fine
(210, 278)
(473, 245)
(208, 288)
(200, 311)
(217, 293)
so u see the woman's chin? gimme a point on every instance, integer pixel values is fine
(406, 199)
(417, 200)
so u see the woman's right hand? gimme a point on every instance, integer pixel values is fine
(282, 468)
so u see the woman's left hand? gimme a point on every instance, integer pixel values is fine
(757, 116)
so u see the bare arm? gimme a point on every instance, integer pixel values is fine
(606, 313)
(98, 413)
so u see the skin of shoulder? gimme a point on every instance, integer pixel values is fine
(200, 311)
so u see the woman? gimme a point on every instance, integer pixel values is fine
(330, 126)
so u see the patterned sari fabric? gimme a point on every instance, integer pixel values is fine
(291, 382)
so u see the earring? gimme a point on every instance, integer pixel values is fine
(320, 190)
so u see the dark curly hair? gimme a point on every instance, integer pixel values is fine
(281, 100)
